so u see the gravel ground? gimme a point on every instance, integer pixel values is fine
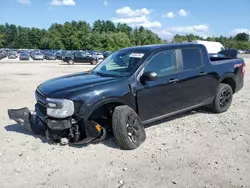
(198, 149)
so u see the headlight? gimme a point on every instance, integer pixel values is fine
(60, 108)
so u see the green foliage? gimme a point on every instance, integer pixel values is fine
(187, 38)
(244, 37)
(240, 41)
(2, 36)
(104, 35)
(1, 40)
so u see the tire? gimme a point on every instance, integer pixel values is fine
(127, 128)
(223, 98)
(94, 62)
(71, 62)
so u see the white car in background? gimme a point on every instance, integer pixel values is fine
(37, 56)
(241, 52)
(99, 56)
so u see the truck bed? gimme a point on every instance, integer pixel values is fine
(224, 60)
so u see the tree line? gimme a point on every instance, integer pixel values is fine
(102, 35)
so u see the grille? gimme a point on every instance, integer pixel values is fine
(41, 108)
(41, 102)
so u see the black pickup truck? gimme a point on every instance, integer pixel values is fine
(132, 87)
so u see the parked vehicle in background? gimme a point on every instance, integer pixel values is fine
(24, 56)
(3, 54)
(67, 54)
(132, 87)
(241, 52)
(82, 57)
(12, 55)
(37, 55)
(97, 55)
(59, 55)
(50, 56)
(212, 47)
(106, 54)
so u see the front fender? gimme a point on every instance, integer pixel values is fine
(85, 113)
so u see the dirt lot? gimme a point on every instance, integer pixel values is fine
(199, 149)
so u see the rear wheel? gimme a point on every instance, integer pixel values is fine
(94, 62)
(223, 98)
(128, 130)
(71, 62)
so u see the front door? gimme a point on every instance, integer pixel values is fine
(78, 56)
(162, 96)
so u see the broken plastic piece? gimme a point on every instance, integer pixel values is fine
(29, 122)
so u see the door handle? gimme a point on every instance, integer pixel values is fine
(202, 73)
(173, 80)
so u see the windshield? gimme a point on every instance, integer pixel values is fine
(120, 63)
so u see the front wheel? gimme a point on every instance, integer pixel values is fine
(128, 130)
(223, 98)
(71, 62)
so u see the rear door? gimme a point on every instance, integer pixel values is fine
(198, 83)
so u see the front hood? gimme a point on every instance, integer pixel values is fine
(63, 87)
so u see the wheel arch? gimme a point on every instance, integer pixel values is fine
(111, 101)
(229, 79)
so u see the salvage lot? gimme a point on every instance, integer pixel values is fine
(198, 149)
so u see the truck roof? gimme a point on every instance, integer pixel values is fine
(148, 48)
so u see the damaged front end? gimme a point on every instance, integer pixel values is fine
(58, 130)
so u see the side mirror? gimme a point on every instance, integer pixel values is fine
(149, 76)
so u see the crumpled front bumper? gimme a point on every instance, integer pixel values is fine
(30, 122)
(89, 131)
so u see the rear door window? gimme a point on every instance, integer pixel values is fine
(192, 59)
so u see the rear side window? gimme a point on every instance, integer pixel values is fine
(162, 63)
(78, 54)
(191, 58)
